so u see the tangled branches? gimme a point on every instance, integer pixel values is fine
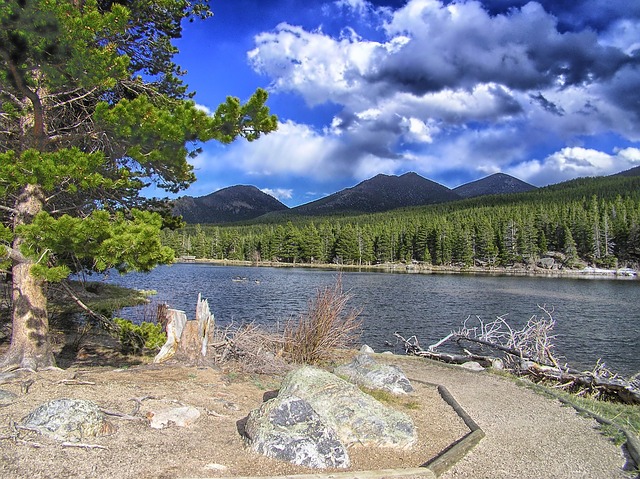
(528, 351)
(534, 341)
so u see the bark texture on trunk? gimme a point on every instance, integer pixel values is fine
(30, 346)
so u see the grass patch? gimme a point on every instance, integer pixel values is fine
(391, 399)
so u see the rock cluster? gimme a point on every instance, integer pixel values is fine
(317, 415)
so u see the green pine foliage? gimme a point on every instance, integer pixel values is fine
(92, 111)
(134, 338)
(587, 221)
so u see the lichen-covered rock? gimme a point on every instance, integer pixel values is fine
(287, 428)
(366, 372)
(356, 417)
(67, 420)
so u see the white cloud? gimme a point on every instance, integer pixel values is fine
(623, 34)
(293, 150)
(450, 90)
(204, 108)
(279, 193)
(573, 162)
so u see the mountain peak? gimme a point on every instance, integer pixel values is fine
(234, 203)
(381, 193)
(495, 184)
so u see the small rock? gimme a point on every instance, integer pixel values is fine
(472, 366)
(365, 371)
(7, 397)
(180, 416)
(215, 467)
(366, 349)
(498, 364)
(68, 420)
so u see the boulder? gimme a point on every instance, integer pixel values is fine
(472, 366)
(68, 420)
(287, 428)
(356, 417)
(546, 263)
(366, 349)
(180, 416)
(366, 372)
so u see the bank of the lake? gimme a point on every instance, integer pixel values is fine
(422, 268)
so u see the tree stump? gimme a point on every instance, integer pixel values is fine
(187, 340)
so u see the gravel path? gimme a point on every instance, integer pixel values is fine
(527, 435)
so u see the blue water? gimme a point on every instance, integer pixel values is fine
(595, 318)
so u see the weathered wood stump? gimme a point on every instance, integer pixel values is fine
(187, 340)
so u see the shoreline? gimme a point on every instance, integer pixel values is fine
(403, 268)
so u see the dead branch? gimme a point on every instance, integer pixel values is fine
(527, 351)
(83, 445)
(122, 415)
(138, 405)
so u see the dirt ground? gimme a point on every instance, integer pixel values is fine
(527, 435)
(212, 447)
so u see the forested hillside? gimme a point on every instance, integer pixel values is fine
(593, 220)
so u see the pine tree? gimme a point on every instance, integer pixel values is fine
(93, 110)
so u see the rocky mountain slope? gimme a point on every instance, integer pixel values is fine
(377, 194)
(236, 203)
(496, 184)
(380, 193)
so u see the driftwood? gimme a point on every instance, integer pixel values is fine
(187, 340)
(527, 352)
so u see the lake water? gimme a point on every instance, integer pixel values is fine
(595, 318)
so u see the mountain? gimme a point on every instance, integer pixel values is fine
(380, 193)
(496, 184)
(236, 203)
(631, 172)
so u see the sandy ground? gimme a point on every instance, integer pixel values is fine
(527, 435)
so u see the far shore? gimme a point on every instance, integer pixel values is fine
(420, 268)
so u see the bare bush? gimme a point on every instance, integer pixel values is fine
(326, 325)
(249, 348)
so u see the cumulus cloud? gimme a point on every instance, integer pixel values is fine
(279, 193)
(454, 88)
(572, 162)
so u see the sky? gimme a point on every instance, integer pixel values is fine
(455, 91)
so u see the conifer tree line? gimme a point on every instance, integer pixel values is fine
(592, 221)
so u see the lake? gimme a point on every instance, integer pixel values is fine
(595, 318)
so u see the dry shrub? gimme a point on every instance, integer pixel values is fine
(248, 348)
(326, 326)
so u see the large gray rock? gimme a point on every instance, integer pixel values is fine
(356, 417)
(287, 428)
(67, 420)
(366, 372)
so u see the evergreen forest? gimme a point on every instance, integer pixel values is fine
(587, 221)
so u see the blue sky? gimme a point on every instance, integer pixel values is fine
(454, 91)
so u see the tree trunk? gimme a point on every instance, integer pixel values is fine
(30, 346)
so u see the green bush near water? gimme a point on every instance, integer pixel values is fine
(134, 338)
